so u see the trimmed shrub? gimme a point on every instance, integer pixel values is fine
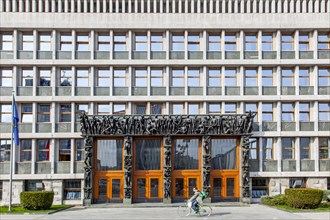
(38, 200)
(304, 198)
(274, 200)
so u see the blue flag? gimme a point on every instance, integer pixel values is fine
(15, 123)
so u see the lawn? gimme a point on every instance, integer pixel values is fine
(21, 210)
(290, 209)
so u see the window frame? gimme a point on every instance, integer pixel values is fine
(5, 41)
(173, 105)
(177, 42)
(325, 112)
(119, 42)
(82, 42)
(104, 78)
(27, 73)
(46, 149)
(5, 77)
(325, 147)
(27, 44)
(288, 112)
(303, 76)
(267, 112)
(285, 76)
(213, 42)
(254, 147)
(266, 148)
(5, 151)
(102, 106)
(250, 77)
(47, 78)
(323, 77)
(67, 189)
(192, 43)
(137, 76)
(179, 77)
(191, 77)
(287, 42)
(230, 42)
(141, 42)
(265, 41)
(288, 148)
(304, 45)
(156, 103)
(155, 77)
(212, 111)
(25, 150)
(323, 42)
(229, 76)
(65, 80)
(81, 77)
(252, 42)
(24, 112)
(66, 44)
(304, 148)
(154, 42)
(43, 41)
(119, 112)
(64, 149)
(40, 113)
(80, 150)
(63, 114)
(5, 115)
(100, 43)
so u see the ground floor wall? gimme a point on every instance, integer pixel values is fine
(275, 186)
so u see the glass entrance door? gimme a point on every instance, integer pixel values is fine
(147, 175)
(183, 187)
(109, 189)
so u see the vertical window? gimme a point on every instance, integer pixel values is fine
(251, 107)
(66, 42)
(27, 41)
(230, 42)
(303, 77)
(103, 42)
(193, 108)
(178, 109)
(223, 154)
(27, 77)
(5, 150)
(214, 78)
(5, 114)
(79, 148)
(43, 147)
(214, 42)
(267, 112)
(304, 42)
(193, 78)
(26, 150)
(214, 108)
(287, 77)
(26, 113)
(324, 148)
(64, 150)
(186, 154)
(6, 41)
(323, 41)
(156, 108)
(267, 77)
(267, 148)
(324, 111)
(324, 77)
(140, 78)
(103, 78)
(45, 77)
(230, 77)
(141, 42)
(82, 78)
(119, 41)
(287, 42)
(80, 109)
(157, 78)
(65, 113)
(43, 113)
(177, 78)
(119, 109)
(65, 77)
(287, 112)
(45, 42)
(157, 42)
(72, 189)
(304, 112)
(82, 42)
(287, 148)
(6, 77)
(251, 77)
(1, 189)
(103, 109)
(267, 42)
(177, 42)
(304, 148)
(119, 77)
(140, 108)
(230, 108)
(251, 43)
(193, 42)
(109, 155)
(253, 149)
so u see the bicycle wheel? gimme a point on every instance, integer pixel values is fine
(205, 210)
(184, 210)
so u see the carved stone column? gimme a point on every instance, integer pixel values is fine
(167, 169)
(128, 169)
(245, 170)
(206, 166)
(88, 171)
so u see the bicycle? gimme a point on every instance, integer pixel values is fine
(186, 210)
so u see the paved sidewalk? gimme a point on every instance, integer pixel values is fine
(252, 212)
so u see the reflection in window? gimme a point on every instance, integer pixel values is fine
(140, 109)
(177, 42)
(177, 78)
(6, 77)
(147, 155)
(140, 78)
(304, 42)
(44, 77)
(156, 42)
(323, 41)
(103, 109)
(287, 112)
(156, 109)
(178, 109)
(230, 191)
(26, 150)
(27, 77)
(230, 77)
(267, 42)
(82, 78)
(5, 113)
(156, 76)
(43, 113)
(103, 42)
(324, 111)
(303, 77)
(141, 42)
(267, 148)
(214, 42)
(304, 112)
(193, 108)
(119, 78)
(267, 77)
(230, 42)
(43, 147)
(324, 77)
(103, 78)
(45, 42)
(79, 149)
(26, 113)
(80, 109)
(267, 112)
(179, 186)
(214, 78)
(324, 148)
(65, 113)
(214, 108)
(223, 153)
(82, 42)
(193, 42)
(27, 41)
(5, 150)
(6, 41)
(109, 155)
(119, 109)
(66, 77)
(72, 189)
(287, 77)
(287, 42)
(251, 43)
(66, 42)
(251, 77)
(193, 77)
(119, 42)
(304, 148)
(186, 154)
(64, 150)
(287, 148)
(230, 108)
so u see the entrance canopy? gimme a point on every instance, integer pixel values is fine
(168, 126)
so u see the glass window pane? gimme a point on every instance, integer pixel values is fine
(186, 154)
(223, 153)
(147, 156)
(109, 155)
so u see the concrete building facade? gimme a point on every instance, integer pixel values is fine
(148, 57)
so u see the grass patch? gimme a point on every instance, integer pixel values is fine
(321, 208)
(21, 210)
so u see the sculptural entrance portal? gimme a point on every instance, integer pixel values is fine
(161, 158)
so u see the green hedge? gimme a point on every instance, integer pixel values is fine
(274, 200)
(39, 200)
(304, 198)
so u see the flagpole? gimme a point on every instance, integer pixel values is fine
(11, 154)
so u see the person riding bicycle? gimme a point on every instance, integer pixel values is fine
(196, 199)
